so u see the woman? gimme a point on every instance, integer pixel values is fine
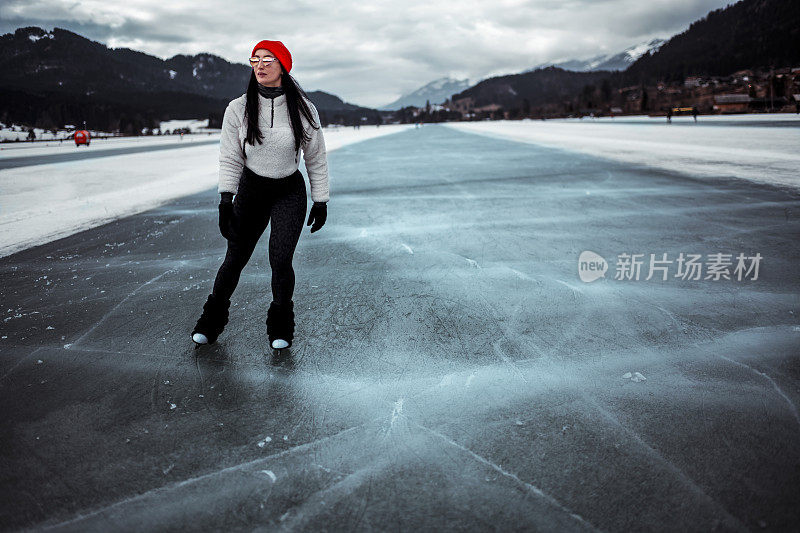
(263, 132)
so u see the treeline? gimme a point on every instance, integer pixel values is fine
(531, 89)
(751, 34)
(360, 116)
(333, 110)
(128, 115)
(411, 114)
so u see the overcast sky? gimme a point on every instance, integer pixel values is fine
(372, 52)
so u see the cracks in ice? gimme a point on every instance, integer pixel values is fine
(113, 309)
(572, 218)
(680, 474)
(472, 262)
(575, 290)
(791, 404)
(508, 362)
(397, 420)
(521, 275)
(238, 467)
(469, 379)
(330, 496)
(354, 479)
(536, 490)
(22, 360)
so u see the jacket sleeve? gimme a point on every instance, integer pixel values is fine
(231, 158)
(316, 159)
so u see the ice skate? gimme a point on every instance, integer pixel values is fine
(199, 338)
(280, 326)
(211, 322)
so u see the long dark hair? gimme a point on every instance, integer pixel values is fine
(295, 101)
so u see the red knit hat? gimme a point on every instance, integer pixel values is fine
(280, 52)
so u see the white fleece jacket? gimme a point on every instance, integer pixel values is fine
(275, 157)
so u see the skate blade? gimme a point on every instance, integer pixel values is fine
(198, 345)
(282, 357)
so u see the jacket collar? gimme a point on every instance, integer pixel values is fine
(279, 100)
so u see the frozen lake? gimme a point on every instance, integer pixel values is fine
(450, 370)
(54, 189)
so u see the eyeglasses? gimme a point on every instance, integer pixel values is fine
(266, 59)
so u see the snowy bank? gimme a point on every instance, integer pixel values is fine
(40, 203)
(56, 146)
(762, 148)
(16, 132)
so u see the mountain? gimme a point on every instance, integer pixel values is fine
(34, 59)
(52, 78)
(619, 61)
(750, 34)
(434, 92)
(529, 89)
(330, 102)
(627, 57)
(333, 110)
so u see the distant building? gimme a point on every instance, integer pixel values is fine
(489, 108)
(463, 105)
(732, 103)
(742, 75)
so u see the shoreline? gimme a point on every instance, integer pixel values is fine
(36, 209)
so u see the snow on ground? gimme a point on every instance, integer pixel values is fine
(335, 137)
(25, 149)
(43, 202)
(14, 132)
(761, 148)
(193, 125)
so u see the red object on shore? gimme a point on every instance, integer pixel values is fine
(82, 137)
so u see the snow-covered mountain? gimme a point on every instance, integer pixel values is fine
(434, 92)
(619, 61)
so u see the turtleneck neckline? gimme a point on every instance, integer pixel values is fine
(269, 92)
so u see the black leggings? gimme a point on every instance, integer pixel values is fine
(258, 201)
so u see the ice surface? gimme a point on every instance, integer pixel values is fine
(476, 383)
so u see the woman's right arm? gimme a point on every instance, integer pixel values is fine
(231, 158)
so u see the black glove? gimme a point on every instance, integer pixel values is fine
(226, 219)
(317, 216)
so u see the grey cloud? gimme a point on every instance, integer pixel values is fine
(131, 29)
(95, 32)
(371, 53)
(665, 18)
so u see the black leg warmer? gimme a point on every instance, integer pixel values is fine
(213, 319)
(280, 322)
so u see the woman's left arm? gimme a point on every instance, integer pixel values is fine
(316, 159)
